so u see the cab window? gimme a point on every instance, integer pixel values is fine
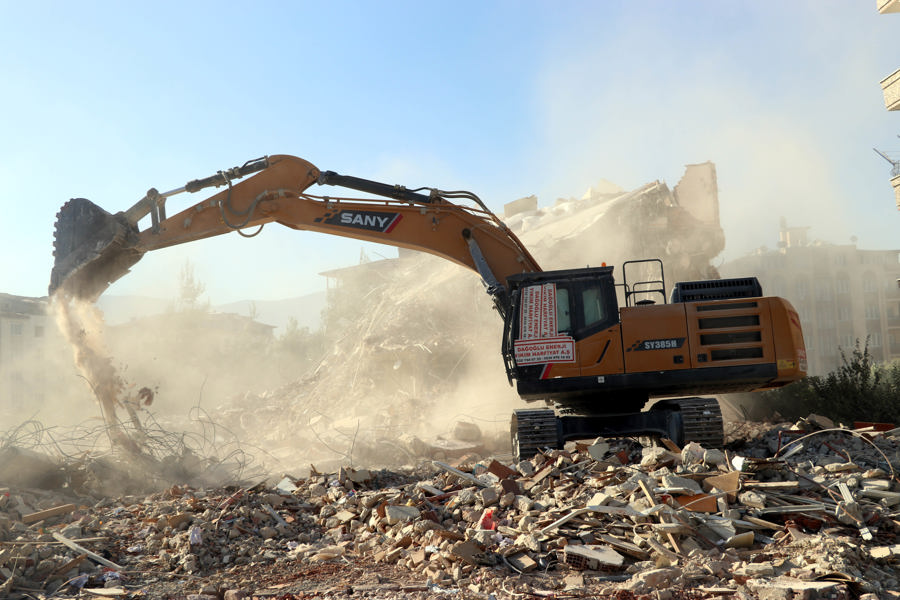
(563, 311)
(592, 303)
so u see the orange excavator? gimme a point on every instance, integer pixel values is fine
(566, 339)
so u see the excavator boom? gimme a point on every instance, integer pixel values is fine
(94, 248)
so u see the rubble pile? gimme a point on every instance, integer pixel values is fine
(794, 513)
(406, 365)
(94, 460)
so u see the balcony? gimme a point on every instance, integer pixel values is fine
(895, 181)
(890, 85)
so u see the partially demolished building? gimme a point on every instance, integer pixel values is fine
(25, 329)
(843, 294)
(422, 348)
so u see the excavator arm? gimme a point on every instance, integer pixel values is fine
(93, 248)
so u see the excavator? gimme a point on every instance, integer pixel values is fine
(568, 338)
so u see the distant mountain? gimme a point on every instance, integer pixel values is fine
(306, 309)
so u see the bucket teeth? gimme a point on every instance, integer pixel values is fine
(92, 248)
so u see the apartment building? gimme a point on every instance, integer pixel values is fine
(890, 85)
(843, 294)
(25, 328)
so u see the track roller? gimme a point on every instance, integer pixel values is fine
(532, 430)
(701, 420)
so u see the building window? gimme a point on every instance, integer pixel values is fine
(842, 284)
(801, 289)
(874, 340)
(823, 289)
(870, 284)
(16, 328)
(38, 331)
(847, 342)
(844, 313)
(840, 260)
(872, 312)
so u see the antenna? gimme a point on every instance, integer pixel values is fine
(895, 164)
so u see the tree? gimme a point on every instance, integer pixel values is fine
(190, 290)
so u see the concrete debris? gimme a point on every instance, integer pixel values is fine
(620, 525)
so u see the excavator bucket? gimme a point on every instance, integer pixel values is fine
(92, 248)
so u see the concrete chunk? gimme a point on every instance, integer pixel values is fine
(400, 514)
(592, 557)
(522, 562)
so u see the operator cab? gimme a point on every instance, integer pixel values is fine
(574, 302)
(549, 311)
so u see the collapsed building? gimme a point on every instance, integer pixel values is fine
(414, 344)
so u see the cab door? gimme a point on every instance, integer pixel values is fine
(599, 333)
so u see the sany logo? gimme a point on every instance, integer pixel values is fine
(363, 219)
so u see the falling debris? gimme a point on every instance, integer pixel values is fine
(82, 324)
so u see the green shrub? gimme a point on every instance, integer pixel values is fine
(859, 390)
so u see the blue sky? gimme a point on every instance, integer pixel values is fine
(106, 99)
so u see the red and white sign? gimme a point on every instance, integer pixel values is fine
(538, 315)
(556, 349)
(539, 340)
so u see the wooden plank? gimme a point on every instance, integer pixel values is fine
(113, 592)
(650, 497)
(49, 513)
(94, 557)
(462, 475)
(670, 445)
(698, 503)
(763, 523)
(68, 566)
(607, 510)
(674, 543)
(661, 549)
(771, 485)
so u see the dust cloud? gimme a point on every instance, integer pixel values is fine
(81, 324)
(410, 349)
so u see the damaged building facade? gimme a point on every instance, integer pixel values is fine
(25, 329)
(890, 85)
